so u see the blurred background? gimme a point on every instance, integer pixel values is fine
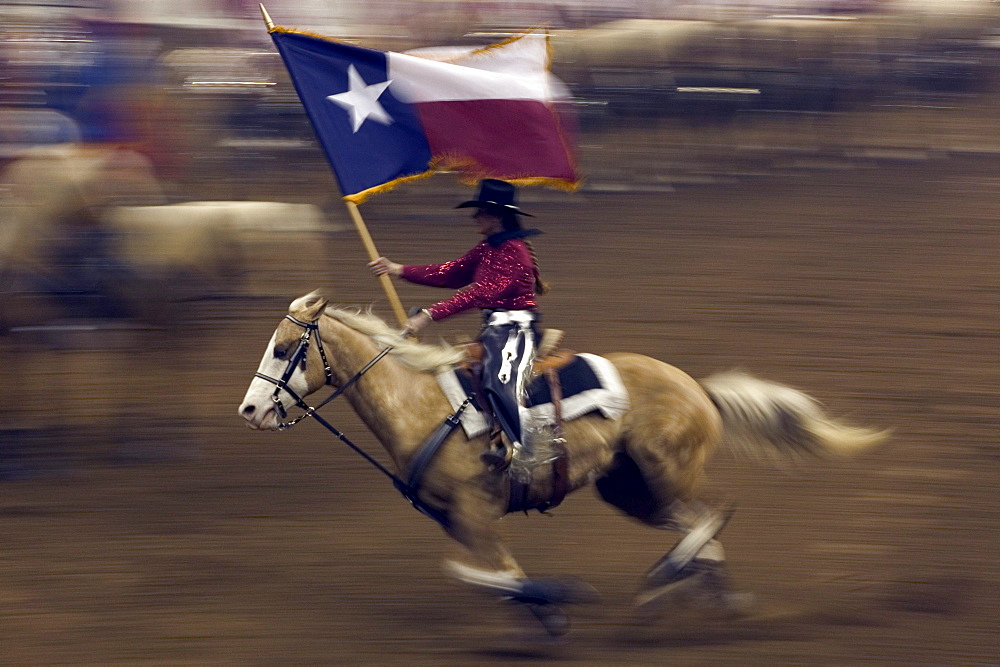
(803, 188)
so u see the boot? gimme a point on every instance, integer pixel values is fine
(497, 457)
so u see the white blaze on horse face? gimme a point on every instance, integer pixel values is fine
(257, 407)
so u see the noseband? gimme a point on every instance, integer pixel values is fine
(297, 357)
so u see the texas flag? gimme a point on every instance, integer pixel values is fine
(384, 118)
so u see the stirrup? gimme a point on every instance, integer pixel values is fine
(499, 454)
(497, 459)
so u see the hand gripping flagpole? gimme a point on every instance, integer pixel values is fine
(373, 254)
(359, 224)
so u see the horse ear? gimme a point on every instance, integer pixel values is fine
(314, 306)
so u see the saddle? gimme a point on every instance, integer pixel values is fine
(548, 357)
(548, 360)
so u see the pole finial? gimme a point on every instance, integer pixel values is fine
(267, 18)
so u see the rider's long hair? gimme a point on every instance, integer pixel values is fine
(511, 223)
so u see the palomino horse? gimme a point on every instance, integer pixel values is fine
(646, 463)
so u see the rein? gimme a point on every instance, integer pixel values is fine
(407, 488)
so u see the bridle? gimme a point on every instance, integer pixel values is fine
(297, 357)
(407, 488)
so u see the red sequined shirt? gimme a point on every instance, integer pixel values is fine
(491, 277)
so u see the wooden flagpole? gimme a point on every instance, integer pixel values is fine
(359, 224)
(373, 254)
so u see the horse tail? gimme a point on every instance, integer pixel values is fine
(766, 418)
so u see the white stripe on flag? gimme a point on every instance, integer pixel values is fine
(515, 71)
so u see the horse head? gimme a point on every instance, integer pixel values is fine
(293, 366)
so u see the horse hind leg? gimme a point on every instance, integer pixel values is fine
(653, 495)
(700, 526)
(694, 569)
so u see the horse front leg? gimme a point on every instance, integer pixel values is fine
(475, 509)
(491, 567)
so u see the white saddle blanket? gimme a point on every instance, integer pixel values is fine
(594, 386)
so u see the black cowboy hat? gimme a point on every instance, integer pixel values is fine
(495, 196)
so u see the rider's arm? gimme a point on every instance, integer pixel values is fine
(456, 273)
(504, 272)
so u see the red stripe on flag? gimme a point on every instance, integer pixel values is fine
(505, 138)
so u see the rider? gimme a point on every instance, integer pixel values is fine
(499, 276)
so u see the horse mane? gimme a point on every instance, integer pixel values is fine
(426, 357)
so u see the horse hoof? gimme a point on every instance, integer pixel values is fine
(578, 591)
(553, 619)
(554, 591)
(704, 584)
(652, 601)
(732, 605)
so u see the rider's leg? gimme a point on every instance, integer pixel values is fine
(508, 351)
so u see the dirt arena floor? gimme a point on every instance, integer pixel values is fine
(164, 531)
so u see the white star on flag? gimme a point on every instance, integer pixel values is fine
(362, 100)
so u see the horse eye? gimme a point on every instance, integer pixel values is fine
(280, 353)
